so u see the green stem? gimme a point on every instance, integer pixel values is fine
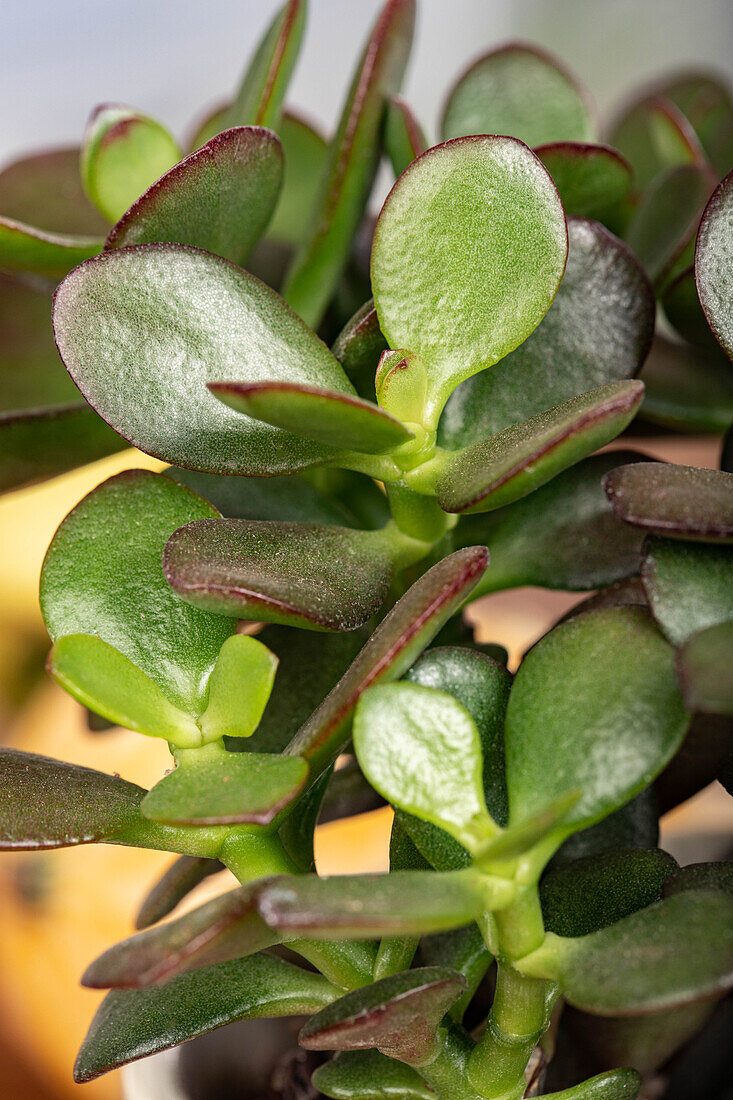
(447, 1074)
(394, 955)
(256, 854)
(418, 516)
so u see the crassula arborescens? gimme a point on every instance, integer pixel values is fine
(351, 477)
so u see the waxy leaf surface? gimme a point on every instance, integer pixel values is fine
(369, 1075)
(519, 90)
(687, 389)
(468, 253)
(591, 179)
(25, 248)
(684, 312)
(717, 875)
(683, 502)
(259, 98)
(653, 135)
(706, 102)
(704, 665)
(617, 1084)
(714, 262)
(219, 198)
(689, 586)
(359, 346)
(45, 190)
(239, 688)
(183, 876)
(594, 707)
(404, 139)
(163, 320)
(305, 153)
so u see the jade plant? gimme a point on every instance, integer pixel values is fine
(367, 425)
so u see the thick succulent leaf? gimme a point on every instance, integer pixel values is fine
(666, 220)
(597, 331)
(687, 389)
(399, 1016)
(703, 668)
(297, 574)
(689, 586)
(102, 575)
(162, 320)
(420, 748)
(675, 952)
(683, 311)
(226, 788)
(522, 91)
(132, 1024)
(713, 263)
(503, 468)
(351, 163)
(348, 793)
(617, 1084)
(239, 688)
(359, 347)
(707, 104)
(219, 198)
(591, 179)
(124, 152)
(305, 155)
(634, 825)
(464, 950)
(357, 906)
(45, 190)
(369, 1075)
(183, 876)
(683, 502)
(562, 536)
(364, 499)
(336, 419)
(594, 892)
(259, 99)
(404, 139)
(297, 832)
(698, 761)
(700, 876)
(41, 252)
(594, 707)
(47, 803)
(395, 645)
(228, 927)
(468, 253)
(654, 135)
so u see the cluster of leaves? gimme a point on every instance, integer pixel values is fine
(352, 491)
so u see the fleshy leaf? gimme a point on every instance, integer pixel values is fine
(617, 1084)
(597, 331)
(399, 1016)
(519, 90)
(260, 95)
(654, 135)
(594, 707)
(564, 535)
(102, 575)
(703, 668)
(183, 876)
(683, 311)
(689, 586)
(239, 688)
(404, 139)
(697, 762)
(634, 825)
(305, 154)
(162, 320)
(351, 163)
(359, 346)
(683, 502)
(700, 876)
(396, 643)
(336, 419)
(687, 389)
(25, 248)
(421, 750)
(226, 788)
(44, 189)
(298, 574)
(707, 104)
(591, 179)
(219, 198)
(713, 263)
(468, 253)
(369, 1075)
(132, 1024)
(499, 470)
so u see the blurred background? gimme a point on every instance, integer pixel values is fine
(173, 59)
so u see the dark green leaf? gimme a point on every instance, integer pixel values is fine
(697, 762)
(437, 847)
(132, 1024)
(688, 389)
(305, 155)
(700, 876)
(713, 264)
(591, 179)
(44, 189)
(680, 502)
(298, 831)
(399, 1016)
(239, 688)
(25, 248)
(706, 102)
(684, 312)
(260, 95)
(369, 1075)
(404, 139)
(359, 346)
(634, 825)
(689, 586)
(618, 1084)
(703, 667)
(183, 876)
(654, 135)
(463, 950)
(162, 320)
(351, 163)
(523, 91)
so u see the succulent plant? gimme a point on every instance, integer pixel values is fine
(348, 426)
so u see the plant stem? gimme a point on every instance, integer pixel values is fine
(447, 1074)
(418, 516)
(256, 854)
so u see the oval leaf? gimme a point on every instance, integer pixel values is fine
(45, 190)
(260, 95)
(25, 248)
(404, 139)
(653, 135)
(689, 587)
(687, 388)
(183, 876)
(239, 688)
(369, 1075)
(713, 264)
(359, 346)
(682, 502)
(703, 667)
(591, 179)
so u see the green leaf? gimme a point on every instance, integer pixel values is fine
(689, 587)
(399, 1016)
(599, 328)
(680, 502)
(260, 95)
(183, 876)
(713, 264)
(298, 574)
(618, 1084)
(351, 163)
(297, 832)
(706, 103)
(463, 950)
(359, 346)
(594, 707)
(103, 679)
(633, 825)
(523, 91)
(239, 688)
(700, 876)
(225, 788)
(102, 575)
(591, 179)
(45, 190)
(124, 152)
(219, 198)
(703, 668)
(132, 1024)
(305, 155)
(684, 312)
(698, 761)
(395, 645)
(505, 467)
(228, 927)
(404, 139)
(338, 420)
(369, 1075)
(25, 248)
(592, 893)
(653, 135)
(687, 389)
(162, 320)
(401, 384)
(468, 253)
(564, 535)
